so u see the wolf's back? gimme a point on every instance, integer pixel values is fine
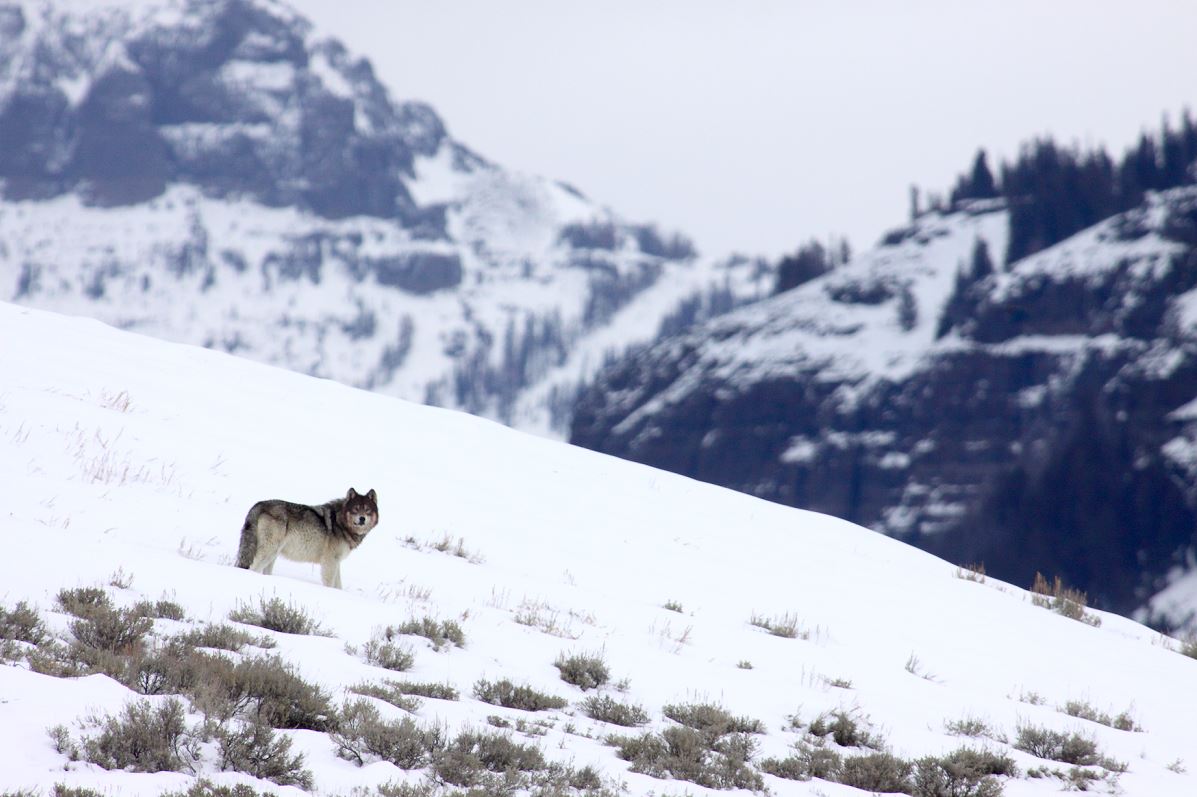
(249, 537)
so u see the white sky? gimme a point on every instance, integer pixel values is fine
(755, 125)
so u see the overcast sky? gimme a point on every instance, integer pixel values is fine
(757, 124)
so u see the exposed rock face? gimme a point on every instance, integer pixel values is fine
(1040, 433)
(216, 173)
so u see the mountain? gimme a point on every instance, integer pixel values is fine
(1031, 417)
(218, 173)
(132, 461)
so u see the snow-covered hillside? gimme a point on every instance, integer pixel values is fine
(223, 175)
(136, 457)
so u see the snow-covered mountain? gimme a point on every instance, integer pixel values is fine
(220, 174)
(1033, 418)
(130, 462)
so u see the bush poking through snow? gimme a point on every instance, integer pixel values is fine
(143, 738)
(1067, 602)
(362, 735)
(972, 727)
(222, 636)
(876, 772)
(585, 671)
(277, 615)
(441, 633)
(381, 652)
(82, 601)
(607, 709)
(785, 626)
(472, 754)
(505, 693)
(1067, 748)
(962, 773)
(717, 762)
(1082, 710)
(256, 749)
(22, 623)
(845, 730)
(162, 609)
(711, 719)
(388, 693)
(206, 788)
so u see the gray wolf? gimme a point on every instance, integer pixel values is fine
(323, 534)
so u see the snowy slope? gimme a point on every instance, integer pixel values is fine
(125, 452)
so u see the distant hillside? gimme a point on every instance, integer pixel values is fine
(1004, 381)
(220, 174)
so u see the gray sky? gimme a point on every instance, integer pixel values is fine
(758, 124)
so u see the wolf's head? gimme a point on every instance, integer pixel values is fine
(360, 512)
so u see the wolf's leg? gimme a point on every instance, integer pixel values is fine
(267, 554)
(330, 573)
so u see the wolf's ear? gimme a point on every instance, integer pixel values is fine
(373, 496)
(349, 496)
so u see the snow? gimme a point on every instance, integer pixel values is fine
(125, 452)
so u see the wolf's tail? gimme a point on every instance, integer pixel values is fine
(249, 538)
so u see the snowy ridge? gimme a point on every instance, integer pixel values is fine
(131, 453)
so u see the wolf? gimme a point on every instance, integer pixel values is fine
(323, 534)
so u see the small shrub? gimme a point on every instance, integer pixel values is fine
(434, 691)
(62, 790)
(607, 709)
(222, 636)
(440, 633)
(962, 773)
(388, 693)
(974, 572)
(845, 730)
(585, 671)
(915, 667)
(206, 788)
(785, 626)
(838, 683)
(361, 732)
(876, 772)
(1082, 710)
(1189, 647)
(1031, 698)
(82, 601)
(257, 750)
(1067, 748)
(1067, 602)
(144, 738)
(112, 630)
(688, 754)
(466, 760)
(389, 655)
(277, 615)
(160, 610)
(969, 726)
(810, 760)
(22, 623)
(673, 606)
(505, 693)
(711, 719)
(744, 664)
(266, 689)
(260, 689)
